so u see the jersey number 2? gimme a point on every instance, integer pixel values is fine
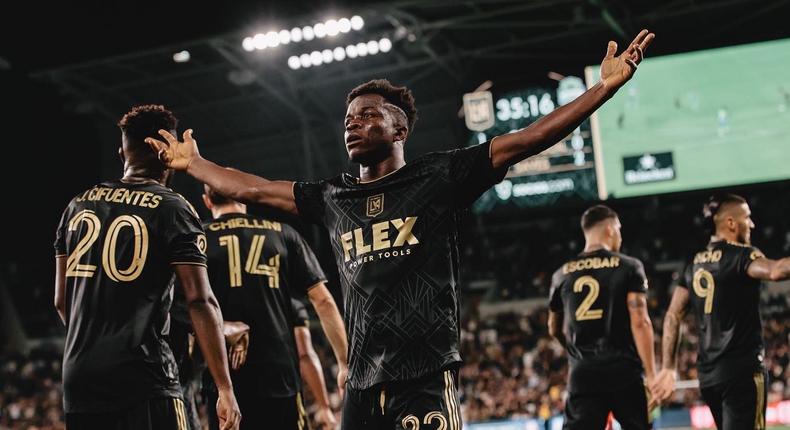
(583, 312)
(110, 265)
(253, 265)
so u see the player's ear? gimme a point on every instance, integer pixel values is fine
(207, 202)
(401, 133)
(120, 154)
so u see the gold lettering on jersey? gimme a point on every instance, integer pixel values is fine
(140, 198)
(375, 205)
(241, 222)
(590, 263)
(707, 256)
(355, 240)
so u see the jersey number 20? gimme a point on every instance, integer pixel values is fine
(92, 227)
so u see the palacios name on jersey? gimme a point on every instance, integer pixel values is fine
(245, 223)
(394, 233)
(590, 263)
(140, 198)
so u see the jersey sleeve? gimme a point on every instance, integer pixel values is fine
(60, 235)
(555, 293)
(471, 173)
(300, 315)
(745, 257)
(303, 268)
(309, 198)
(185, 239)
(638, 281)
(684, 280)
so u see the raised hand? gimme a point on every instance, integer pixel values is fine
(174, 154)
(616, 71)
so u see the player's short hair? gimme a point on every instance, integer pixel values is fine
(145, 121)
(714, 203)
(596, 214)
(400, 97)
(214, 197)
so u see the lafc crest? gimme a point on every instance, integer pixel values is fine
(375, 205)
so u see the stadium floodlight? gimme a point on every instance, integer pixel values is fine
(259, 40)
(373, 47)
(385, 45)
(296, 34)
(294, 62)
(248, 44)
(284, 36)
(332, 27)
(319, 30)
(351, 51)
(307, 33)
(304, 60)
(344, 25)
(357, 23)
(182, 56)
(272, 39)
(339, 53)
(316, 58)
(362, 49)
(328, 55)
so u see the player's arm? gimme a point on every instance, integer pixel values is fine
(237, 337)
(60, 286)
(664, 384)
(234, 184)
(766, 269)
(310, 369)
(207, 322)
(333, 327)
(555, 327)
(509, 149)
(642, 331)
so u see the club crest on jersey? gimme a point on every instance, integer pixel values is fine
(375, 205)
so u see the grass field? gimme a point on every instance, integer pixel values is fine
(723, 113)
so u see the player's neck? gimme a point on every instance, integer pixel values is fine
(596, 246)
(142, 175)
(724, 236)
(218, 211)
(372, 172)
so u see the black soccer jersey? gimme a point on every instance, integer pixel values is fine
(300, 316)
(254, 267)
(725, 302)
(395, 243)
(120, 242)
(591, 291)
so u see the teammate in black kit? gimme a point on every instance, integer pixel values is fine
(117, 249)
(722, 287)
(255, 266)
(393, 232)
(598, 311)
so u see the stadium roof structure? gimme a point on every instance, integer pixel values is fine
(252, 111)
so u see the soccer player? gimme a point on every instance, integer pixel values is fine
(394, 235)
(117, 249)
(255, 266)
(598, 311)
(721, 285)
(310, 366)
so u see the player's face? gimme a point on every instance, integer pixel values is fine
(742, 218)
(370, 129)
(617, 236)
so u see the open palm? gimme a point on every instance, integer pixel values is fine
(174, 154)
(616, 71)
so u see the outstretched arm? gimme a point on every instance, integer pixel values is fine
(310, 368)
(207, 322)
(509, 149)
(239, 186)
(333, 327)
(770, 270)
(664, 383)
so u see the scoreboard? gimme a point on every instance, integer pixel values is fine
(564, 172)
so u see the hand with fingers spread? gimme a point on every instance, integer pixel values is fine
(238, 351)
(616, 71)
(174, 154)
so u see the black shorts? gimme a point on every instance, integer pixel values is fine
(428, 403)
(590, 411)
(270, 413)
(165, 413)
(738, 404)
